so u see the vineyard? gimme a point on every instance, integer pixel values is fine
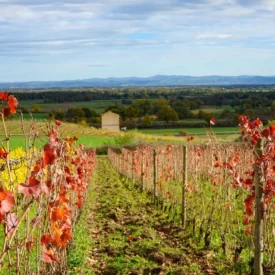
(222, 194)
(42, 191)
(218, 198)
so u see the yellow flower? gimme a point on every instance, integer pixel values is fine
(18, 170)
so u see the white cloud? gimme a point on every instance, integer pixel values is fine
(214, 36)
(75, 29)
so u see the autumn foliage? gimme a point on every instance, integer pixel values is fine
(38, 215)
(220, 186)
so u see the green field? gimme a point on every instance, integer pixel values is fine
(88, 141)
(37, 116)
(97, 105)
(211, 109)
(95, 141)
(191, 131)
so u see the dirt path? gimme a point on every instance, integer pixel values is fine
(131, 236)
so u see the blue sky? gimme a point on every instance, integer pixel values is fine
(66, 39)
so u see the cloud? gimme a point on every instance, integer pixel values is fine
(96, 66)
(29, 61)
(268, 5)
(214, 36)
(106, 31)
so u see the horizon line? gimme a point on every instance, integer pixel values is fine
(144, 77)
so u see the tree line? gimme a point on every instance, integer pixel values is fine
(142, 106)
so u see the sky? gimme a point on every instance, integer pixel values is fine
(43, 40)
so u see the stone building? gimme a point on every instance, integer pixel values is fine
(110, 121)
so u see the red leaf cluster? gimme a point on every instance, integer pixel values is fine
(3, 154)
(3, 95)
(6, 201)
(249, 205)
(11, 101)
(50, 154)
(58, 123)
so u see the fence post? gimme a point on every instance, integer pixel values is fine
(115, 164)
(259, 182)
(155, 174)
(128, 165)
(119, 161)
(184, 182)
(175, 160)
(142, 168)
(132, 165)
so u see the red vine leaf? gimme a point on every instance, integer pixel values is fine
(65, 237)
(12, 101)
(3, 154)
(6, 111)
(6, 201)
(246, 220)
(33, 188)
(58, 123)
(4, 96)
(48, 256)
(29, 245)
(50, 154)
(58, 214)
(11, 222)
(249, 205)
(45, 239)
(248, 231)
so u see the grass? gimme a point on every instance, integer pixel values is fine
(190, 131)
(211, 109)
(88, 136)
(37, 116)
(98, 105)
(130, 234)
(88, 141)
(92, 137)
(96, 141)
(78, 252)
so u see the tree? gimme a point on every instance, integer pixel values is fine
(131, 112)
(88, 113)
(167, 113)
(158, 104)
(181, 109)
(36, 108)
(60, 115)
(75, 114)
(144, 106)
(147, 121)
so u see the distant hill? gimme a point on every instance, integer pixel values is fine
(157, 80)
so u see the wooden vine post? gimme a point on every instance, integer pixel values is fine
(132, 176)
(142, 170)
(155, 174)
(259, 182)
(184, 182)
(119, 163)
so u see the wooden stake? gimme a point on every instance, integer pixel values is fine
(259, 182)
(155, 174)
(184, 182)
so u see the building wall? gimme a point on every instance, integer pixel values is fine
(110, 121)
